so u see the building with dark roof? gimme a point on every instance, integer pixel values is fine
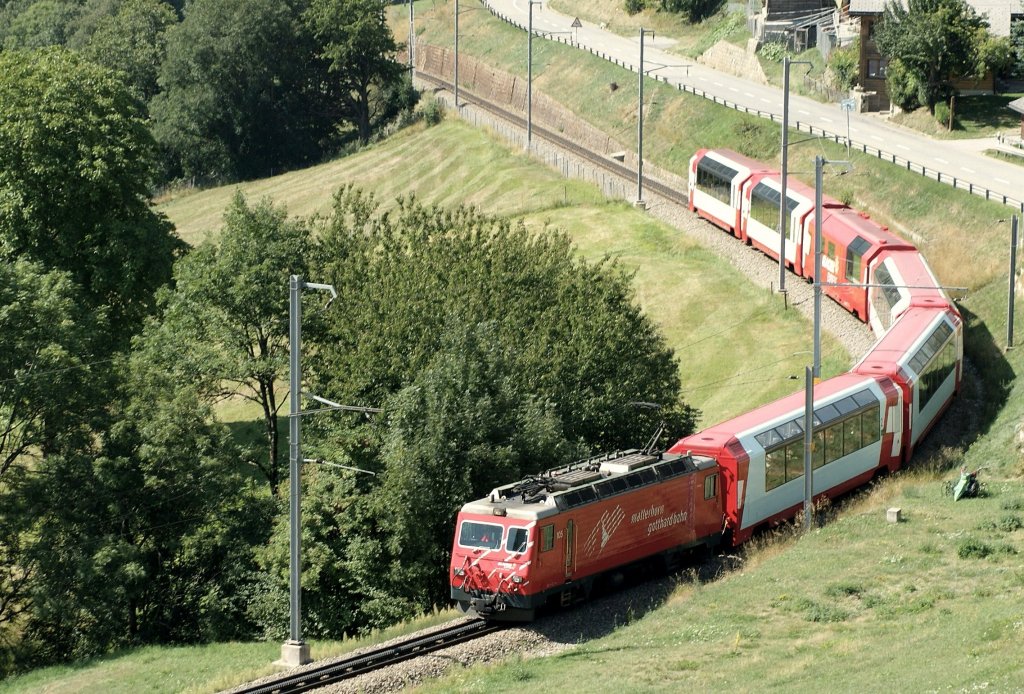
(871, 75)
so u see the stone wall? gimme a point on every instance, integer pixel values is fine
(734, 60)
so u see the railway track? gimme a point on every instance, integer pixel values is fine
(600, 161)
(373, 660)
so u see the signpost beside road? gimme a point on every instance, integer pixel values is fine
(847, 105)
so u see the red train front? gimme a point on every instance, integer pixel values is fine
(549, 538)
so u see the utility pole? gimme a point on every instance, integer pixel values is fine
(1013, 277)
(808, 445)
(640, 124)
(456, 55)
(529, 78)
(295, 651)
(783, 199)
(819, 162)
(412, 40)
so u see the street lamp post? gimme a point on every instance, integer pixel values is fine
(640, 124)
(529, 78)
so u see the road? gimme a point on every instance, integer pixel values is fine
(962, 160)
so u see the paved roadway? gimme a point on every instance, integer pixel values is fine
(962, 159)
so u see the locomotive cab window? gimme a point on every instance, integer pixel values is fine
(517, 540)
(547, 537)
(711, 486)
(480, 535)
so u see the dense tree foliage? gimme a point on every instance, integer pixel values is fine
(932, 42)
(554, 306)
(1016, 66)
(224, 326)
(234, 100)
(144, 537)
(76, 159)
(45, 392)
(354, 39)
(132, 40)
(28, 25)
(236, 88)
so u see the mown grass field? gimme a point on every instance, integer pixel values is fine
(933, 603)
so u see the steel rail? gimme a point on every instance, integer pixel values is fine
(373, 660)
(609, 165)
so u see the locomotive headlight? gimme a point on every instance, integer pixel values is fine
(517, 578)
(459, 571)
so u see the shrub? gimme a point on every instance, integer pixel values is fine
(433, 111)
(774, 51)
(942, 114)
(694, 10)
(757, 138)
(973, 549)
(844, 589)
(903, 86)
(843, 64)
(816, 612)
(632, 7)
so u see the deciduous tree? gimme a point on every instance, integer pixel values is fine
(360, 51)
(225, 324)
(237, 97)
(133, 40)
(935, 41)
(76, 160)
(496, 352)
(46, 388)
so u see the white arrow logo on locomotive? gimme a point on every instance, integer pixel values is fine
(609, 523)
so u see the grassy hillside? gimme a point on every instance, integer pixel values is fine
(932, 603)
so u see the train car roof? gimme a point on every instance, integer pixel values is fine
(913, 274)
(583, 482)
(845, 224)
(796, 188)
(901, 343)
(729, 155)
(719, 436)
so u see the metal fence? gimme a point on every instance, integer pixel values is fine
(903, 162)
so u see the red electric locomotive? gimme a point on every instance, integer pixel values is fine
(552, 536)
